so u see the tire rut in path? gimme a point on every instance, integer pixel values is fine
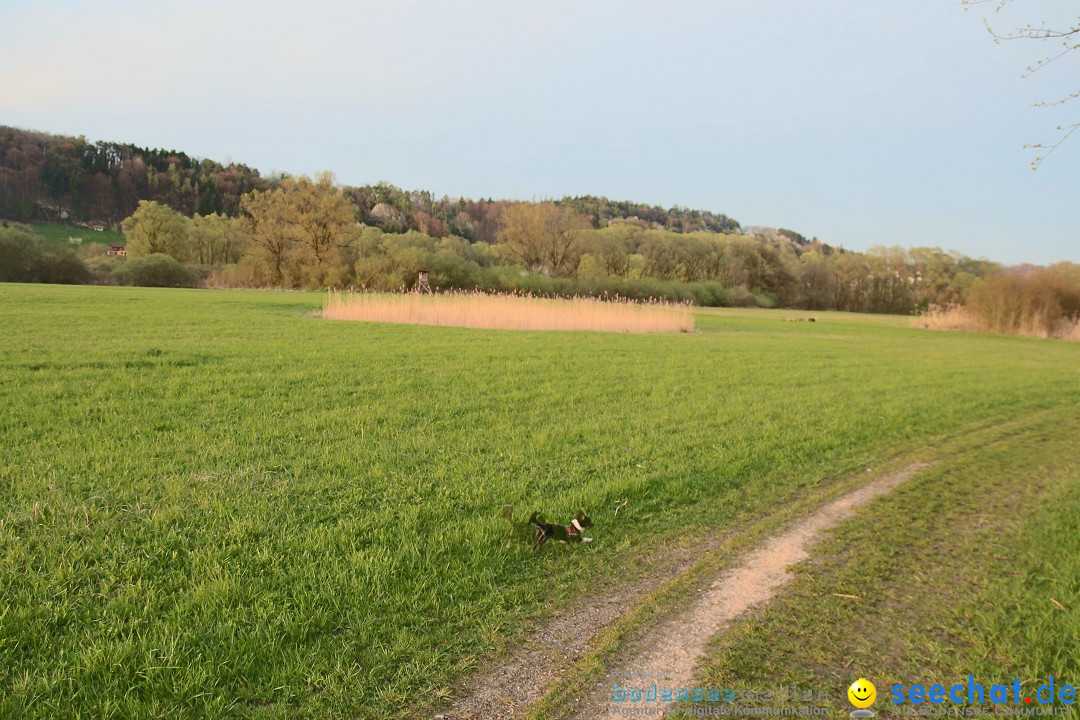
(671, 649)
(669, 653)
(510, 688)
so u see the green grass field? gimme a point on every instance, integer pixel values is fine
(58, 234)
(217, 505)
(971, 569)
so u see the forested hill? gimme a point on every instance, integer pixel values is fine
(61, 178)
(54, 177)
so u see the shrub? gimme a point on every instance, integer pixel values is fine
(1040, 302)
(1027, 302)
(102, 268)
(24, 257)
(156, 270)
(250, 272)
(19, 252)
(60, 265)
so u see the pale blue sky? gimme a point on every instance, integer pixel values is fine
(864, 123)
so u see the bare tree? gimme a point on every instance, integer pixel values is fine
(1064, 40)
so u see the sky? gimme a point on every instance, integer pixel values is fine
(862, 123)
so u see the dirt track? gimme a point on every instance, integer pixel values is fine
(667, 653)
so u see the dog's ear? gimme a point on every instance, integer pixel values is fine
(581, 513)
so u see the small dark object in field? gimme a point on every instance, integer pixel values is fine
(799, 319)
(541, 530)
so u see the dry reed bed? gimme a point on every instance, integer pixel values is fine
(510, 312)
(957, 317)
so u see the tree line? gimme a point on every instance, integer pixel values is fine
(70, 179)
(59, 178)
(304, 233)
(201, 223)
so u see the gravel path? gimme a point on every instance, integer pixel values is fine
(666, 654)
(509, 688)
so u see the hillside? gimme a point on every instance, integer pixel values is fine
(61, 178)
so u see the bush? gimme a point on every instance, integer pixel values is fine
(60, 265)
(250, 272)
(156, 270)
(102, 268)
(19, 252)
(24, 257)
(1028, 302)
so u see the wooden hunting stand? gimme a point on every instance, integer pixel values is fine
(422, 286)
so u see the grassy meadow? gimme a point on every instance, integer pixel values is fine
(972, 568)
(216, 504)
(58, 234)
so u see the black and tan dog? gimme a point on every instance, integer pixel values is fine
(539, 531)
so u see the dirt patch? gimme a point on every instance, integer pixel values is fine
(668, 653)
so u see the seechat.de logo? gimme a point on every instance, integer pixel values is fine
(974, 693)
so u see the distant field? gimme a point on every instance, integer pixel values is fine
(217, 505)
(59, 234)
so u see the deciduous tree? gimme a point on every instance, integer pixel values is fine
(215, 240)
(542, 236)
(269, 221)
(156, 228)
(301, 225)
(324, 217)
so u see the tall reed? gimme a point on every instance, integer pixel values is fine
(958, 317)
(510, 312)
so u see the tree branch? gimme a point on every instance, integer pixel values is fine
(1070, 37)
(1066, 131)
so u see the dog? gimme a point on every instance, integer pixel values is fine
(539, 530)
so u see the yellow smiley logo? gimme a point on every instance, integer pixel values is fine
(862, 693)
